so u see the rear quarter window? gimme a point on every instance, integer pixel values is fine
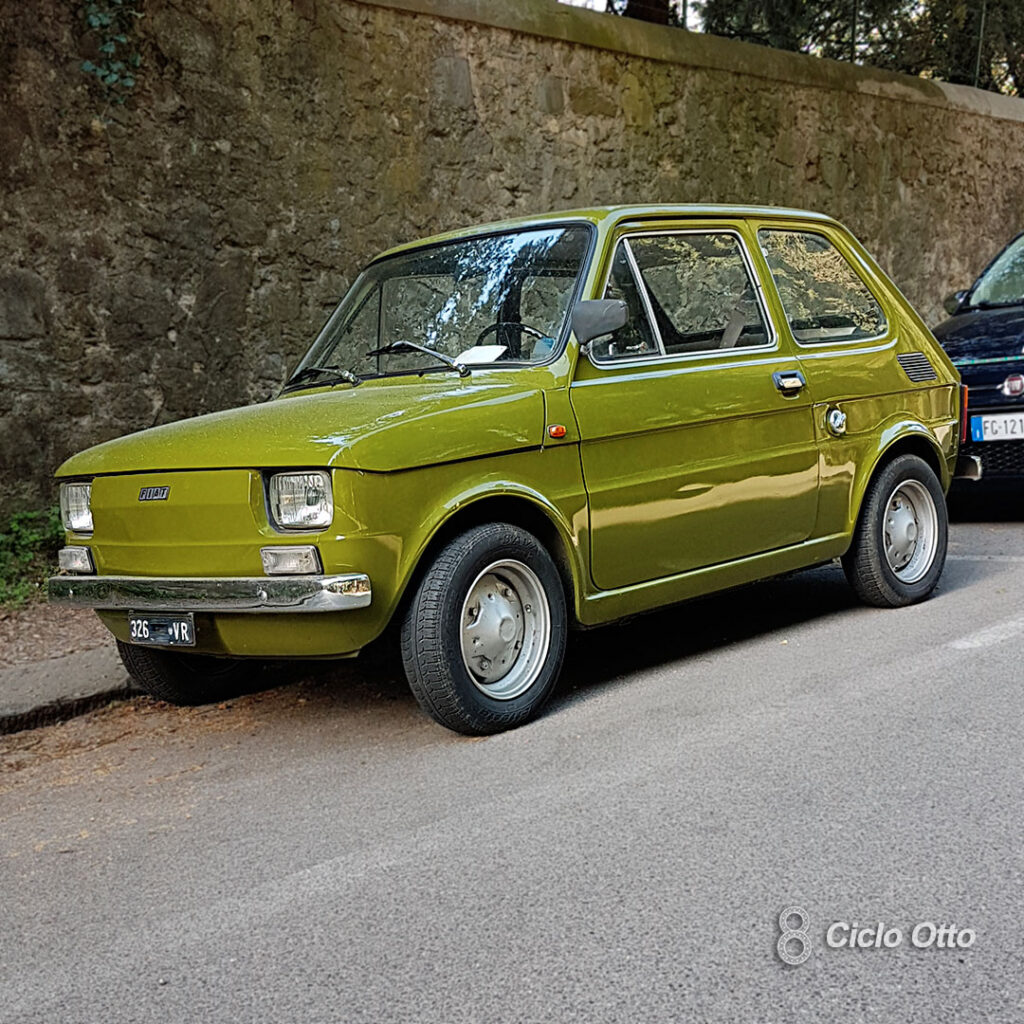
(824, 297)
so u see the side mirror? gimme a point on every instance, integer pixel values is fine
(593, 318)
(952, 302)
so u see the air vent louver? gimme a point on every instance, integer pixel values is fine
(917, 367)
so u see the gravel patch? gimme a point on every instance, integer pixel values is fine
(43, 631)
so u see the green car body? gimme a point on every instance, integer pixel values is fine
(674, 475)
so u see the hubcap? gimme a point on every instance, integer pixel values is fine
(505, 629)
(910, 531)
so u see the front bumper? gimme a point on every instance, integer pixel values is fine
(259, 594)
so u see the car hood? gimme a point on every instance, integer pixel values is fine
(983, 334)
(381, 425)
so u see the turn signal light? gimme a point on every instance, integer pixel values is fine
(78, 560)
(293, 560)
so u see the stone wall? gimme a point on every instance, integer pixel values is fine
(177, 254)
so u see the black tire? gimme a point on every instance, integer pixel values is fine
(433, 630)
(868, 567)
(187, 678)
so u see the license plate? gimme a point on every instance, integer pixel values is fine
(1006, 426)
(162, 630)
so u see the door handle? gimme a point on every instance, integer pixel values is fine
(789, 382)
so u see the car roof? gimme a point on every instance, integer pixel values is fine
(609, 216)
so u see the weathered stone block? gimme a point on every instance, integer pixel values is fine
(24, 310)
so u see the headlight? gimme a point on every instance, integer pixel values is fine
(74, 507)
(301, 501)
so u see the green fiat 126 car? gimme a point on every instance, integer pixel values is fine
(506, 431)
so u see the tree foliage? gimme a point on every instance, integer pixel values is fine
(660, 12)
(971, 42)
(978, 42)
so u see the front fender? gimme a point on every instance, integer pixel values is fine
(395, 521)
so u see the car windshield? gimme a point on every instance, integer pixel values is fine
(492, 299)
(1003, 283)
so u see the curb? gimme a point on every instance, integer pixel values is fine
(60, 710)
(39, 693)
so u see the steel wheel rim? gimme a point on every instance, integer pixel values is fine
(910, 531)
(505, 629)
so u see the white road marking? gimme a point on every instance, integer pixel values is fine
(985, 558)
(996, 634)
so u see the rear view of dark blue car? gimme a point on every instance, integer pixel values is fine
(984, 337)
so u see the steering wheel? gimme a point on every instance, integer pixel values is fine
(494, 328)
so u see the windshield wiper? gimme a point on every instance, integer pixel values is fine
(397, 346)
(339, 373)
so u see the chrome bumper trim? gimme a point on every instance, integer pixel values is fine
(214, 594)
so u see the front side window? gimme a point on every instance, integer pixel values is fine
(1003, 283)
(635, 338)
(824, 298)
(694, 286)
(492, 299)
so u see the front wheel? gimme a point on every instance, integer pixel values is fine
(899, 544)
(186, 678)
(484, 636)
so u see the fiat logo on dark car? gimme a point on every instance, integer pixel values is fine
(1013, 385)
(154, 493)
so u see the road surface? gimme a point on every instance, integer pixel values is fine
(323, 852)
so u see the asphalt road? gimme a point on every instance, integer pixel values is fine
(322, 852)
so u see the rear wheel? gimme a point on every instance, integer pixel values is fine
(484, 636)
(899, 545)
(186, 678)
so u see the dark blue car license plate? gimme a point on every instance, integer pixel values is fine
(998, 427)
(162, 630)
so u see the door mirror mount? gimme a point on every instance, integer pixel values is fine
(593, 318)
(953, 302)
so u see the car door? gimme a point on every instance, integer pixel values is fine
(697, 439)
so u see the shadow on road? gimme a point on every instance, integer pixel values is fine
(681, 632)
(374, 683)
(986, 502)
(598, 656)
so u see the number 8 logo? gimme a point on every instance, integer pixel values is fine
(793, 935)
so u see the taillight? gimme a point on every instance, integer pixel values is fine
(963, 413)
